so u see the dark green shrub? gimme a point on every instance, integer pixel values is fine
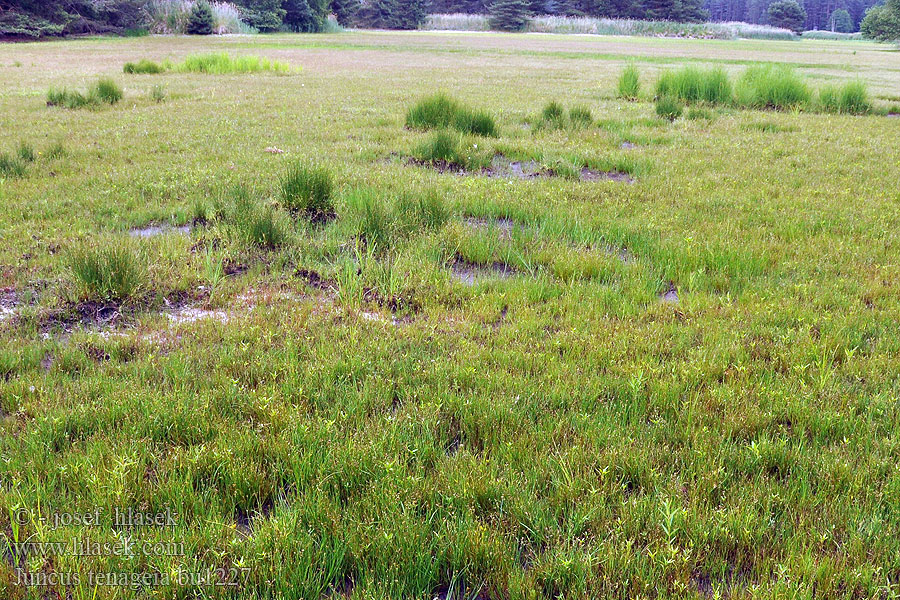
(201, 20)
(308, 191)
(668, 108)
(882, 23)
(630, 83)
(110, 273)
(390, 14)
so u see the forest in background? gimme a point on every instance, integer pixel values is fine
(38, 18)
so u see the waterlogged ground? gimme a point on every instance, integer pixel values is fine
(680, 383)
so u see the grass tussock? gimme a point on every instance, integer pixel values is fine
(253, 223)
(11, 167)
(692, 85)
(771, 87)
(555, 116)
(104, 91)
(668, 108)
(26, 152)
(441, 111)
(308, 191)
(146, 67)
(222, 63)
(158, 94)
(851, 98)
(629, 86)
(110, 273)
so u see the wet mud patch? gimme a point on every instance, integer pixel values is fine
(592, 175)
(505, 168)
(314, 280)
(9, 304)
(95, 315)
(469, 273)
(670, 296)
(154, 230)
(247, 522)
(192, 314)
(503, 224)
(233, 268)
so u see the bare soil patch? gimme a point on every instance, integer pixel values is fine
(9, 302)
(470, 273)
(154, 230)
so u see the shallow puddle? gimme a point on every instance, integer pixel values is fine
(670, 296)
(470, 273)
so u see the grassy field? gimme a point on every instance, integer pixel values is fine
(680, 381)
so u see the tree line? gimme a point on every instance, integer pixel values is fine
(37, 18)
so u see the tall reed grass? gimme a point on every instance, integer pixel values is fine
(597, 26)
(171, 17)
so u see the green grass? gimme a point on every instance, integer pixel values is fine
(464, 385)
(691, 85)
(104, 91)
(145, 66)
(774, 87)
(669, 107)
(11, 166)
(222, 63)
(308, 191)
(849, 98)
(111, 272)
(629, 85)
(253, 223)
(439, 111)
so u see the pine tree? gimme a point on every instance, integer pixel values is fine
(305, 16)
(391, 14)
(345, 11)
(265, 15)
(841, 22)
(201, 20)
(508, 15)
